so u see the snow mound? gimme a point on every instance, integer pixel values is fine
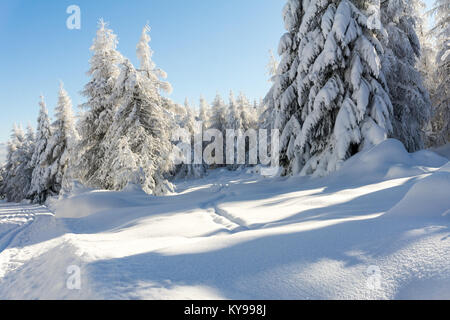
(389, 160)
(443, 151)
(90, 202)
(430, 197)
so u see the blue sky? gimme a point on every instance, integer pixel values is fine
(205, 46)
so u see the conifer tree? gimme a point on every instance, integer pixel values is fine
(38, 192)
(330, 97)
(441, 94)
(17, 171)
(57, 156)
(137, 146)
(100, 108)
(409, 96)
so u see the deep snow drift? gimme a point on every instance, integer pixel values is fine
(376, 229)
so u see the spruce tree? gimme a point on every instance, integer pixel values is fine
(57, 156)
(408, 93)
(188, 169)
(137, 145)
(330, 97)
(218, 114)
(100, 108)
(203, 114)
(147, 66)
(38, 191)
(17, 171)
(441, 95)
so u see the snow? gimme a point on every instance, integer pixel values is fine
(238, 235)
(443, 150)
(428, 197)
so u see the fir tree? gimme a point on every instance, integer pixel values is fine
(38, 192)
(100, 108)
(147, 66)
(17, 170)
(137, 146)
(330, 98)
(441, 94)
(409, 96)
(57, 156)
(218, 114)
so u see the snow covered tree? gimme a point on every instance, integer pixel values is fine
(234, 122)
(186, 146)
(38, 192)
(272, 67)
(57, 156)
(409, 96)
(441, 95)
(137, 145)
(2, 181)
(218, 119)
(147, 66)
(100, 108)
(14, 144)
(218, 114)
(17, 170)
(246, 113)
(233, 116)
(267, 106)
(426, 63)
(203, 114)
(188, 121)
(330, 97)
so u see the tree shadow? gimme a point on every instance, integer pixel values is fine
(232, 270)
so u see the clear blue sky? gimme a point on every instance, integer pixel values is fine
(204, 45)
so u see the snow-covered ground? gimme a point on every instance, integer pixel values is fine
(376, 229)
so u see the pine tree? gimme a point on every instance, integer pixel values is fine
(26, 167)
(100, 107)
(147, 66)
(426, 63)
(57, 156)
(188, 121)
(189, 169)
(137, 146)
(267, 106)
(234, 122)
(409, 96)
(247, 115)
(203, 115)
(330, 98)
(38, 192)
(233, 116)
(218, 114)
(2, 180)
(17, 170)
(441, 95)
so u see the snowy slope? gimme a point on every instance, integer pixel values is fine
(2, 152)
(376, 229)
(443, 150)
